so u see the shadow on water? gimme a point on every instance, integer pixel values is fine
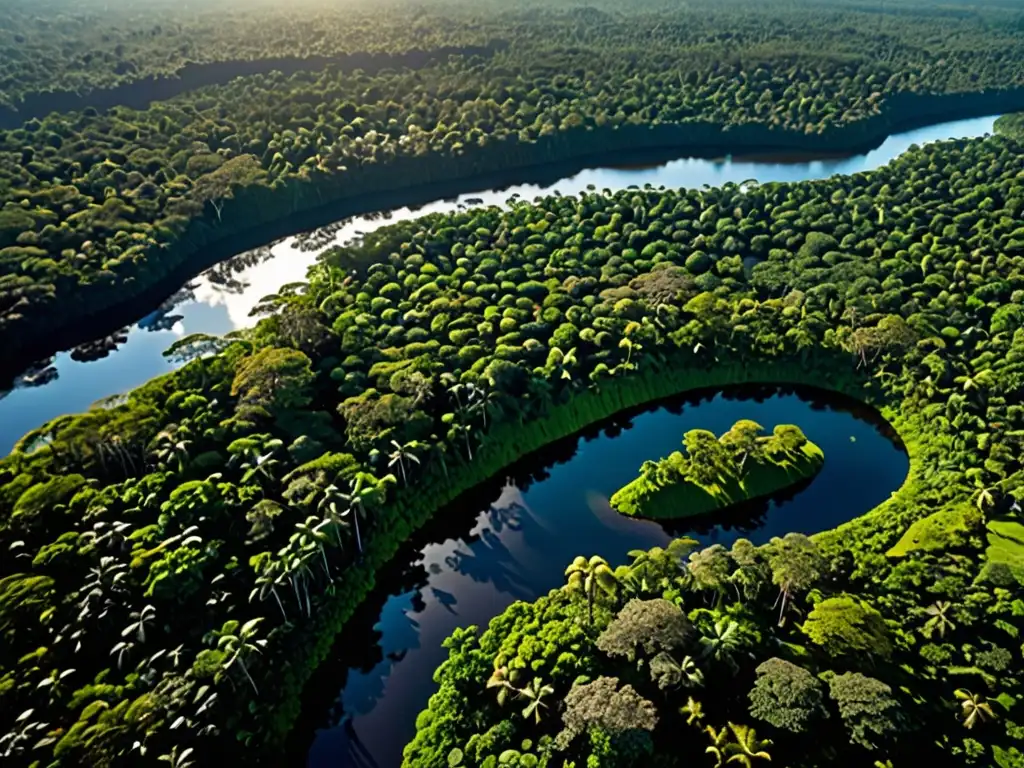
(510, 539)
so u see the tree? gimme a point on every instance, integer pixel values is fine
(240, 171)
(239, 643)
(669, 673)
(269, 579)
(867, 707)
(650, 625)
(709, 460)
(604, 705)
(974, 709)
(746, 747)
(590, 578)
(139, 621)
(364, 491)
(535, 692)
(403, 453)
(743, 441)
(330, 508)
(796, 564)
(657, 565)
(938, 619)
(787, 696)
(710, 569)
(311, 534)
(196, 346)
(846, 626)
(693, 710)
(722, 642)
(275, 379)
(500, 679)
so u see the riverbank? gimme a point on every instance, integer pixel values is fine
(326, 199)
(508, 444)
(139, 94)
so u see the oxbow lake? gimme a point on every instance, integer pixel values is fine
(219, 300)
(512, 538)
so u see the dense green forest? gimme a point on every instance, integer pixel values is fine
(720, 472)
(181, 558)
(97, 207)
(178, 560)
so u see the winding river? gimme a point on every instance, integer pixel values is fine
(219, 300)
(512, 539)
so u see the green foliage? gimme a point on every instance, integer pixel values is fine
(867, 707)
(787, 696)
(844, 626)
(717, 473)
(944, 529)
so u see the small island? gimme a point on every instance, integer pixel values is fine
(719, 472)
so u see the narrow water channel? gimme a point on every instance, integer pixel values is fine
(512, 539)
(219, 300)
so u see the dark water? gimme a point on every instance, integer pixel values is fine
(512, 540)
(219, 300)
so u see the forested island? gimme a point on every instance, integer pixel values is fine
(720, 472)
(179, 560)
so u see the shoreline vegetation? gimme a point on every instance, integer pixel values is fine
(717, 473)
(224, 227)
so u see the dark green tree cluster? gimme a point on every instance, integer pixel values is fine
(749, 655)
(97, 208)
(178, 561)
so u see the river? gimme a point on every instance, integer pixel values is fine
(219, 300)
(512, 539)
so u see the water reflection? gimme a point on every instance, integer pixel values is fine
(221, 299)
(512, 539)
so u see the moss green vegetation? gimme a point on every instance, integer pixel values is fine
(1011, 125)
(96, 208)
(178, 561)
(717, 473)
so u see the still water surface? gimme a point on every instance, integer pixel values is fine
(219, 300)
(512, 540)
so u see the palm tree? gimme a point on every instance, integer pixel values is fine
(172, 445)
(330, 509)
(719, 742)
(590, 577)
(482, 399)
(722, 643)
(984, 498)
(267, 583)
(671, 673)
(535, 692)
(939, 620)
(747, 747)
(179, 759)
(402, 454)
(311, 535)
(693, 710)
(362, 490)
(500, 679)
(237, 646)
(123, 650)
(264, 465)
(974, 708)
(139, 621)
(298, 572)
(23, 735)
